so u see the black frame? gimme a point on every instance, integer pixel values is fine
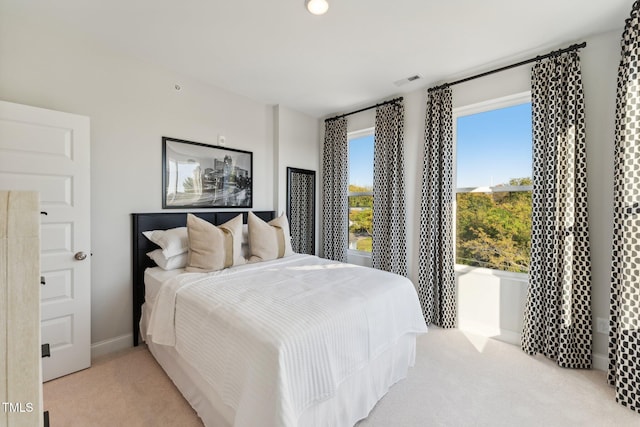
(213, 154)
(290, 172)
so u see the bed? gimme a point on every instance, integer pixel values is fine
(294, 341)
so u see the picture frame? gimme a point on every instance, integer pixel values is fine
(200, 176)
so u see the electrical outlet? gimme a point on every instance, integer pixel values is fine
(222, 140)
(602, 325)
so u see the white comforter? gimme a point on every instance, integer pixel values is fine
(275, 337)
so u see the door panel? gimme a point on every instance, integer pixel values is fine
(59, 287)
(48, 151)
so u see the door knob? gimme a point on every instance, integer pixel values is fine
(80, 256)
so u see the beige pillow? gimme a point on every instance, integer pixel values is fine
(246, 253)
(268, 241)
(213, 248)
(235, 227)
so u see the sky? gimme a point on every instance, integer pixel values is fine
(361, 161)
(492, 148)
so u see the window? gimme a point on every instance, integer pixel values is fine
(361, 190)
(494, 184)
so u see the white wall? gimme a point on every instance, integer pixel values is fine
(132, 104)
(296, 145)
(493, 303)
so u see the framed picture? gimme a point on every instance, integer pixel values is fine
(196, 175)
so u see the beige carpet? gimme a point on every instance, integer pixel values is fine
(125, 389)
(459, 380)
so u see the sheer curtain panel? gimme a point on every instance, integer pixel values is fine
(389, 218)
(557, 319)
(436, 279)
(624, 334)
(335, 177)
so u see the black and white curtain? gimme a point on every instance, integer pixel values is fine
(624, 335)
(335, 177)
(389, 251)
(436, 279)
(557, 320)
(301, 212)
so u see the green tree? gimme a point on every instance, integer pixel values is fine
(361, 218)
(494, 230)
(360, 201)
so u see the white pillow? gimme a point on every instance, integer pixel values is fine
(268, 241)
(174, 241)
(172, 263)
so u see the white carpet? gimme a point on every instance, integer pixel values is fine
(459, 380)
(466, 380)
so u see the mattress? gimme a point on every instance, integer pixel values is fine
(278, 340)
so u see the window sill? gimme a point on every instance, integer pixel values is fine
(461, 269)
(359, 257)
(353, 252)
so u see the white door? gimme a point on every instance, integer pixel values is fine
(48, 151)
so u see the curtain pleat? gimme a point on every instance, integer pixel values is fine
(624, 334)
(557, 319)
(389, 251)
(436, 279)
(335, 177)
(301, 215)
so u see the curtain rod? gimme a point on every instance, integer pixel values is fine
(508, 67)
(391, 101)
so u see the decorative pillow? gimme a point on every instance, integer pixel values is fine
(172, 263)
(172, 242)
(235, 227)
(270, 240)
(246, 252)
(213, 248)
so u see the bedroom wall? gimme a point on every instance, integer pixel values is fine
(296, 142)
(132, 104)
(490, 303)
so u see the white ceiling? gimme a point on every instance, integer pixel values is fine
(275, 52)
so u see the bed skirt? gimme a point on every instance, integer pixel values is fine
(353, 400)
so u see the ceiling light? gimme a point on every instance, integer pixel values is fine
(317, 7)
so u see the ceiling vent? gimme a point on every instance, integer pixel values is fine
(406, 80)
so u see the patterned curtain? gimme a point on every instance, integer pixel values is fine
(301, 213)
(557, 319)
(389, 218)
(624, 335)
(436, 280)
(335, 177)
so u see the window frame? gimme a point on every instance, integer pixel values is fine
(467, 110)
(353, 135)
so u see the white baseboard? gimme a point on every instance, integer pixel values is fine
(111, 345)
(600, 362)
